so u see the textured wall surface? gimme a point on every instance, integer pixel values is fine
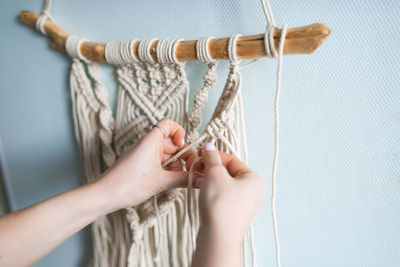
(338, 185)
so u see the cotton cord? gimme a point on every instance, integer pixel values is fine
(190, 205)
(201, 97)
(44, 16)
(268, 12)
(222, 131)
(73, 47)
(232, 49)
(202, 50)
(144, 51)
(276, 142)
(166, 51)
(120, 53)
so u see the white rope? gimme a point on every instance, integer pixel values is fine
(120, 53)
(276, 143)
(268, 12)
(201, 97)
(44, 16)
(73, 47)
(202, 50)
(144, 51)
(166, 51)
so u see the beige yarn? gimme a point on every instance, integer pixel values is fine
(160, 232)
(148, 92)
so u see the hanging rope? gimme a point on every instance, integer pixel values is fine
(45, 15)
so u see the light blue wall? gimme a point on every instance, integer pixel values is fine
(338, 179)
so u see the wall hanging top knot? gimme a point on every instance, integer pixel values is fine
(299, 40)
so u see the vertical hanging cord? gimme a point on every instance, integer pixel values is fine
(270, 50)
(268, 12)
(276, 142)
(44, 16)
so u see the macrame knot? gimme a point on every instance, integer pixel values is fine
(202, 51)
(144, 51)
(269, 42)
(217, 126)
(200, 99)
(166, 51)
(210, 78)
(43, 17)
(120, 53)
(234, 59)
(192, 136)
(134, 223)
(73, 47)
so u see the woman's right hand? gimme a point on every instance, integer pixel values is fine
(230, 194)
(230, 197)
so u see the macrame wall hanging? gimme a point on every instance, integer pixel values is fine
(153, 85)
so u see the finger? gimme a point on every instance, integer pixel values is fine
(175, 166)
(179, 179)
(172, 129)
(211, 156)
(234, 166)
(168, 147)
(189, 157)
(165, 157)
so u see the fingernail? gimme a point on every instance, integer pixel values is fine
(198, 182)
(183, 142)
(209, 147)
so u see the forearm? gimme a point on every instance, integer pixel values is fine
(29, 234)
(216, 247)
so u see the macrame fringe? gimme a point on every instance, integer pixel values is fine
(156, 233)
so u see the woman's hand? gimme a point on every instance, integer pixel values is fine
(140, 175)
(29, 234)
(230, 197)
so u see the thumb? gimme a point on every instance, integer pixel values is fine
(210, 156)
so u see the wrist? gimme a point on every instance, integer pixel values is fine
(120, 190)
(216, 248)
(106, 197)
(223, 234)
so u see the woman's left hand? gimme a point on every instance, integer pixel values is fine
(140, 175)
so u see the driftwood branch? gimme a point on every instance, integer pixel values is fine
(300, 40)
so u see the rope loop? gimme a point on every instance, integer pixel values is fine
(166, 51)
(269, 41)
(202, 50)
(120, 53)
(172, 51)
(145, 50)
(73, 47)
(232, 49)
(43, 17)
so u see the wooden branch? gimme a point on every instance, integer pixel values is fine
(300, 40)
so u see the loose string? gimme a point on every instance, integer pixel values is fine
(271, 52)
(268, 12)
(276, 142)
(44, 16)
(192, 229)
